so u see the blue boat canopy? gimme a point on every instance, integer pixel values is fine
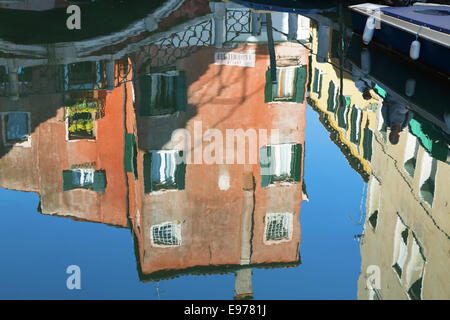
(303, 7)
(434, 17)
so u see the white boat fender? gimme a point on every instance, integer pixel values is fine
(369, 29)
(365, 61)
(410, 87)
(414, 50)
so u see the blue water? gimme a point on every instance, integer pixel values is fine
(36, 249)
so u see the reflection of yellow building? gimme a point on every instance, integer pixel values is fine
(350, 120)
(406, 233)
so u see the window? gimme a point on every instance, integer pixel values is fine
(409, 268)
(81, 120)
(162, 93)
(400, 247)
(373, 219)
(24, 75)
(81, 126)
(342, 112)
(16, 128)
(280, 162)
(373, 202)
(317, 82)
(3, 74)
(164, 170)
(84, 178)
(427, 181)
(355, 125)
(415, 271)
(332, 96)
(83, 76)
(278, 227)
(290, 86)
(411, 150)
(167, 234)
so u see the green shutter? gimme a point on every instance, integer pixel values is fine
(181, 92)
(331, 98)
(319, 89)
(268, 97)
(367, 144)
(299, 84)
(129, 144)
(67, 180)
(99, 181)
(147, 172)
(296, 162)
(341, 116)
(145, 86)
(354, 125)
(180, 174)
(342, 108)
(265, 161)
(316, 80)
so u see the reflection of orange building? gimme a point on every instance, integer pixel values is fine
(53, 161)
(185, 217)
(214, 216)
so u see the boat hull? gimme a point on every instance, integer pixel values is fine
(431, 53)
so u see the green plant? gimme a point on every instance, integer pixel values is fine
(82, 125)
(83, 107)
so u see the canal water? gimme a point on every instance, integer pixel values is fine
(200, 150)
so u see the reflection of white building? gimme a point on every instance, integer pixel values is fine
(406, 233)
(237, 24)
(228, 25)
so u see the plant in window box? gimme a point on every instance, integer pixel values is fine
(81, 119)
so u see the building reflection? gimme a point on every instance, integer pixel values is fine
(405, 237)
(93, 136)
(198, 218)
(97, 129)
(406, 230)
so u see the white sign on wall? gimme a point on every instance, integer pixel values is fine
(241, 59)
